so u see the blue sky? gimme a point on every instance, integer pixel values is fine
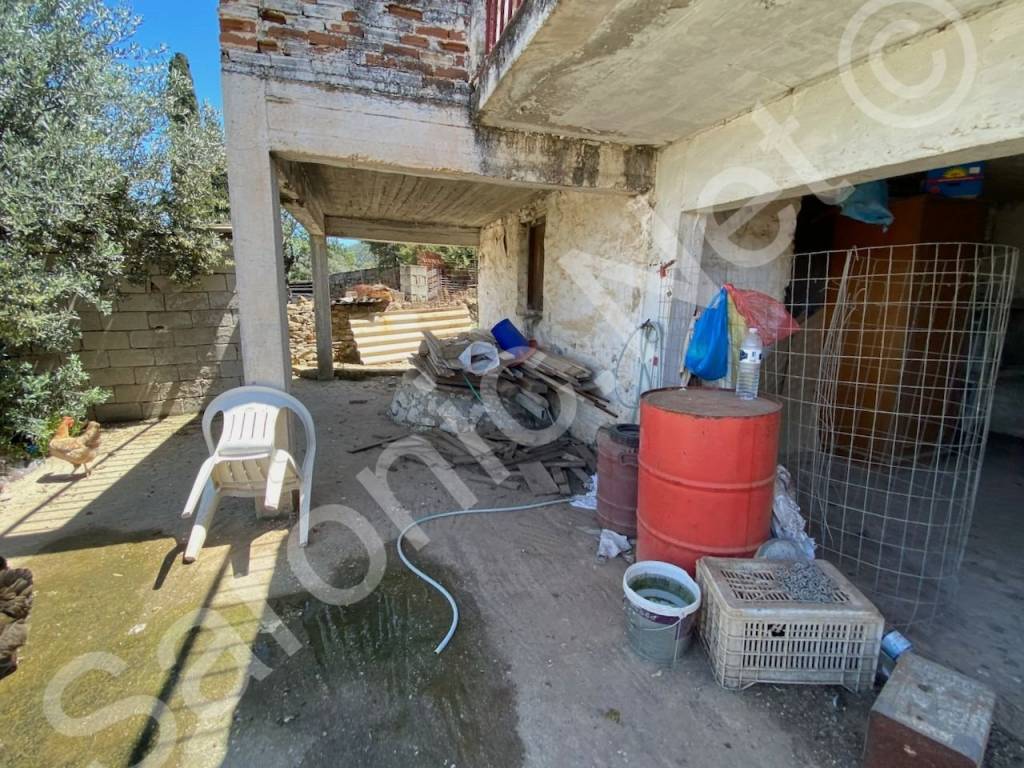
(189, 26)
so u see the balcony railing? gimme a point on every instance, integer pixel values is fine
(499, 15)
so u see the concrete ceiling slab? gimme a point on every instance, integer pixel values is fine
(655, 71)
(353, 193)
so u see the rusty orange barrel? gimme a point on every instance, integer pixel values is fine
(617, 446)
(707, 474)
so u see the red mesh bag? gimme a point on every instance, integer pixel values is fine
(761, 311)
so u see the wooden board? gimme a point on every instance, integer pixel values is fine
(538, 478)
(378, 443)
(580, 475)
(558, 475)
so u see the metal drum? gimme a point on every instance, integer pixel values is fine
(707, 473)
(617, 447)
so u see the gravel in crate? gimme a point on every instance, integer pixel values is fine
(806, 583)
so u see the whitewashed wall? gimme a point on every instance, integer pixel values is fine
(599, 259)
(758, 256)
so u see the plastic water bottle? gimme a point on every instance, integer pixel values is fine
(750, 366)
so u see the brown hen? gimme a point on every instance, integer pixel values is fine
(76, 451)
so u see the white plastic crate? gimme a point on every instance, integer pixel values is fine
(755, 632)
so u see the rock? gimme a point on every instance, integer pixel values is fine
(302, 330)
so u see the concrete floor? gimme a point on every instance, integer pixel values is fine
(537, 675)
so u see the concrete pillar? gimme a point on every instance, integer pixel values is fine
(322, 307)
(256, 233)
(257, 242)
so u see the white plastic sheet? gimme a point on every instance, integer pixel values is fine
(480, 357)
(787, 522)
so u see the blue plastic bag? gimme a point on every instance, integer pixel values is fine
(869, 202)
(708, 353)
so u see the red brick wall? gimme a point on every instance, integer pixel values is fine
(413, 48)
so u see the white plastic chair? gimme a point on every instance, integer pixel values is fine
(247, 462)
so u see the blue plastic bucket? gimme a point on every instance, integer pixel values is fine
(508, 336)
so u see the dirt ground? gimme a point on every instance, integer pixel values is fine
(233, 661)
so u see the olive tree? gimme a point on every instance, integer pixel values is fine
(106, 167)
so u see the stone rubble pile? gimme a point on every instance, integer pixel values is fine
(302, 331)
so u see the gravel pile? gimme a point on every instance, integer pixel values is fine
(806, 582)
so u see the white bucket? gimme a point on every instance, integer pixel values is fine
(661, 602)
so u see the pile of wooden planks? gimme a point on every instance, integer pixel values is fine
(560, 372)
(531, 381)
(438, 359)
(563, 466)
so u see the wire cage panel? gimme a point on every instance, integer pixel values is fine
(886, 395)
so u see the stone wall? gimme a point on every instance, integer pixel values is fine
(302, 331)
(164, 349)
(415, 48)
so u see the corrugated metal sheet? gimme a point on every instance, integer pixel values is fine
(392, 336)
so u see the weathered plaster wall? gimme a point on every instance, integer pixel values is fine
(596, 258)
(598, 280)
(758, 255)
(499, 264)
(597, 252)
(415, 48)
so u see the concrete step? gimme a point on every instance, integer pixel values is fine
(393, 357)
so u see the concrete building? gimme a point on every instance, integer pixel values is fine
(614, 160)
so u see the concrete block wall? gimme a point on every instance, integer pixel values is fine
(165, 348)
(415, 49)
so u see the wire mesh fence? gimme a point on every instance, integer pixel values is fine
(886, 395)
